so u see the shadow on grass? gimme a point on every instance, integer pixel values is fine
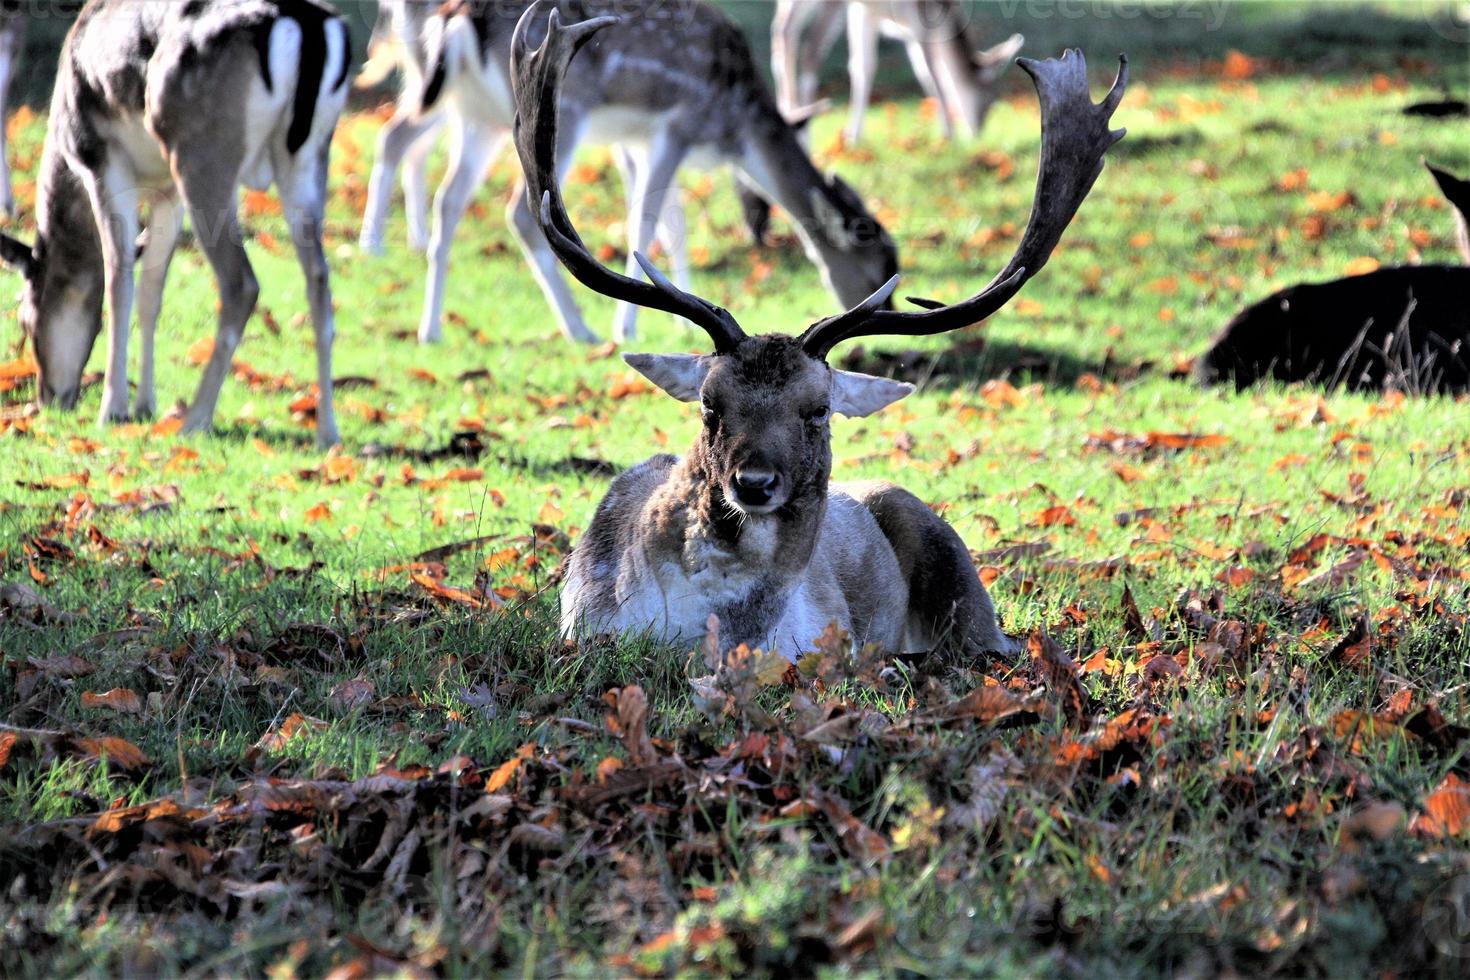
(976, 360)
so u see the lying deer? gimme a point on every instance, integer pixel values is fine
(1401, 327)
(175, 105)
(746, 525)
(670, 83)
(12, 41)
(937, 35)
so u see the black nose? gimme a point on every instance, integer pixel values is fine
(754, 486)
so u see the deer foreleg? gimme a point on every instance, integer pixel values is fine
(653, 183)
(164, 218)
(473, 147)
(923, 71)
(403, 137)
(115, 208)
(862, 65)
(791, 19)
(415, 182)
(672, 231)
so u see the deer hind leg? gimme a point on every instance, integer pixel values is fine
(405, 140)
(165, 215)
(473, 147)
(949, 608)
(208, 188)
(302, 182)
(526, 227)
(114, 198)
(652, 186)
(862, 64)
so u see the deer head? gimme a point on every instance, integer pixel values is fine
(767, 400)
(60, 306)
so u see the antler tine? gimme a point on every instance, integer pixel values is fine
(536, 77)
(1074, 138)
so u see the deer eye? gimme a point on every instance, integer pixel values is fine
(817, 415)
(709, 413)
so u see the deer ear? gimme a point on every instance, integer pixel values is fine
(18, 255)
(856, 395)
(681, 375)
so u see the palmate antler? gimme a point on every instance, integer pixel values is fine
(536, 77)
(1074, 138)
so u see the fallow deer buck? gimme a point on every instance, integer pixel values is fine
(746, 525)
(175, 105)
(937, 35)
(671, 83)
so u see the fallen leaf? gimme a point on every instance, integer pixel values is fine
(119, 699)
(1446, 810)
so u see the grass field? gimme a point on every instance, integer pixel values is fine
(270, 712)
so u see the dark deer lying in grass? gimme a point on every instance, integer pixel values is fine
(1405, 328)
(746, 525)
(174, 105)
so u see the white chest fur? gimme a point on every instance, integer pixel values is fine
(674, 597)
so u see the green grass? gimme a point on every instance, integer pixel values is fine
(238, 580)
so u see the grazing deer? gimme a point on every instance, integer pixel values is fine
(961, 78)
(407, 137)
(670, 83)
(1400, 327)
(746, 525)
(175, 105)
(12, 40)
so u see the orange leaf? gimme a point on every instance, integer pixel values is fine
(464, 474)
(1052, 516)
(507, 769)
(1126, 473)
(119, 699)
(627, 384)
(200, 351)
(276, 738)
(549, 513)
(320, 512)
(1446, 810)
(442, 591)
(120, 752)
(1238, 66)
(1361, 266)
(22, 367)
